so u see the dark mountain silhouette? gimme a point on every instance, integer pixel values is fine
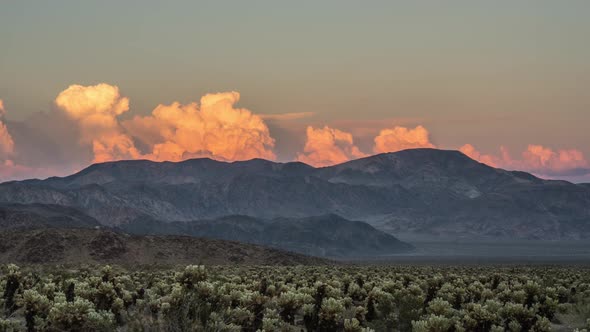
(422, 191)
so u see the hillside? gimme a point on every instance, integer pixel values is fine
(327, 235)
(89, 246)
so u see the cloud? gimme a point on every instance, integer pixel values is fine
(369, 128)
(327, 146)
(85, 127)
(214, 129)
(96, 104)
(402, 138)
(95, 109)
(542, 158)
(287, 116)
(6, 141)
(9, 168)
(537, 159)
(470, 151)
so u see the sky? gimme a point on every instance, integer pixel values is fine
(320, 82)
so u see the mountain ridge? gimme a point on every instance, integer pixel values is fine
(426, 191)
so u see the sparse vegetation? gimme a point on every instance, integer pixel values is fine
(317, 298)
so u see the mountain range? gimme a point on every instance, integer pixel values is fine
(418, 191)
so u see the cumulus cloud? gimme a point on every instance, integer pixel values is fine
(6, 141)
(327, 146)
(95, 109)
(96, 104)
(214, 129)
(538, 159)
(402, 138)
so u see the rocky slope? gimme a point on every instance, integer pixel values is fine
(421, 191)
(89, 246)
(43, 215)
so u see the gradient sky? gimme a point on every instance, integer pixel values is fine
(487, 73)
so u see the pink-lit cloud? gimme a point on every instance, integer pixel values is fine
(6, 141)
(215, 129)
(401, 138)
(327, 146)
(95, 109)
(488, 159)
(538, 159)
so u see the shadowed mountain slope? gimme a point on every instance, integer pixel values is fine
(43, 215)
(327, 235)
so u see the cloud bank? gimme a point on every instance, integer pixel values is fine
(214, 128)
(537, 159)
(86, 126)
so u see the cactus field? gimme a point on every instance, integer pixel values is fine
(301, 298)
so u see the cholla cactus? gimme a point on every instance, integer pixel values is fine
(289, 303)
(519, 313)
(496, 328)
(356, 292)
(440, 307)
(330, 318)
(10, 325)
(271, 321)
(542, 325)
(79, 315)
(514, 326)
(479, 318)
(352, 325)
(12, 285)
(433, 323)
(37, 307)
(192, 275)
(420, 326)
